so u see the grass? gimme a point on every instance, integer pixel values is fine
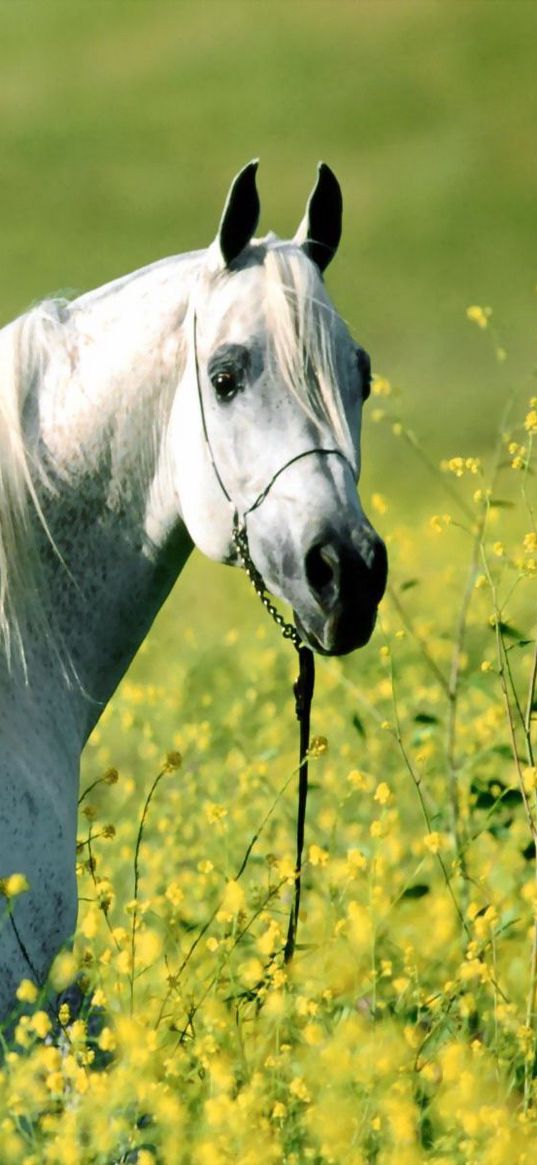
(123, 122)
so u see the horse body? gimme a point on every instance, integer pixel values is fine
(109, 562)
(149, 412)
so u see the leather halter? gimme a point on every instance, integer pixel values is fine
(304, 686)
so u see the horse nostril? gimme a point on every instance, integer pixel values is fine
(321, 567)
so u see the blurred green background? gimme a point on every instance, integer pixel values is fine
(123, 121)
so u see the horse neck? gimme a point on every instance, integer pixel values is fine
(113, 514)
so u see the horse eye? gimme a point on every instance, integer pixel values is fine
(364, 368)
(225, 384)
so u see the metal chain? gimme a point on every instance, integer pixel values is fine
(303, 690)
(240, 540)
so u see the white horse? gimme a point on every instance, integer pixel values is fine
(136, 422)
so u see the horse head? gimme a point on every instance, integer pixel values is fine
(265, 428)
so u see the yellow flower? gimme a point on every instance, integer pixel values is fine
(78, 1031)
(461, 465)
(356, 779)
(312, 1034)
(251, 973)
(234, 899)
(381, 386)
(383, 793)
(298, 1088)
(55, 1082)
(213, 812)
(64, 1014)
(318, 746)
(107, 1040)
(174, 761)
(356, 861)
(479, 315)
(433, 842)
(174, 893)
(285, 868)
(41, 1024)
(379, 503)
(317, 856)
(63, 970)
(530, 422)
(13, 885)
(529, 778)
(436, 524)
(27, 991)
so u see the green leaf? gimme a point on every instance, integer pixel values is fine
(501, 831)
(417, 891)
(485, 800)
(358, 725)
(507, 630)
(512, 797)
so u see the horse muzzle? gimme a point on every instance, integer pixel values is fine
(346, 585)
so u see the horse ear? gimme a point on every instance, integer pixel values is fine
(320, 230)
(241, 214)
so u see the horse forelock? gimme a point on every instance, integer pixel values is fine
(304, 331)
(307, 333)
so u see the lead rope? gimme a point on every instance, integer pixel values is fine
(303, 691)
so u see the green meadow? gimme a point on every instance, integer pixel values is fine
(405, 1029)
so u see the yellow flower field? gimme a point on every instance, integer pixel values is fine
(405, 1029)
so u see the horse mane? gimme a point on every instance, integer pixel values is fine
(25, 346)
(304, 325)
